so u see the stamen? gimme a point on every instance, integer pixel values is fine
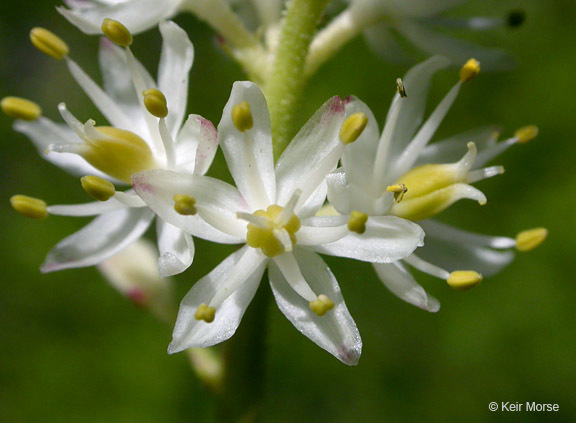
(353, 127)
(242, 116)
(288, 210)
(205, 312)
(49, 43)
(526, 133)
(98, 188)
(268, 230)
(470, 70)
(184, 204)
(321, 305)
(155, 102)
(116, 32)
(427, 267)
(357, 222)
(400, 87)
(462, 280)
(487, 172)
(20, 108)
(530, 239)
(399, 190)
(29, 206)
(257, 218)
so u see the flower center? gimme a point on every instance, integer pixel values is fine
(273, 230)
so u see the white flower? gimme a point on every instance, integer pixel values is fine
(388, 24)
(398, 173)
(137, 140)
(273, 212)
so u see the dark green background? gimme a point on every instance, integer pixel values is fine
(73, 350)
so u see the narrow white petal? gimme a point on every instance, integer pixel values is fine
(402, 284)
(196, 145)
(336, 331)
(189, 332)
(249, 154)
(158, 187)
(105, 236)
(175, 63)
(387, 239)
(176, 249)
(338, 191)
(313, 153)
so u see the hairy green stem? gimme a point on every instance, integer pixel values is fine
(286, 82)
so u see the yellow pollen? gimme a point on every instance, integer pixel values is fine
(321, 305)
(462, 280)
(470, 70)
(20, 108)
(184, 204)
(242, 116)
(270, 238)
(49, 43)
(116, 32)
(29, 206)
(399, 190)
(155, 102)
(526, 133)
(98, 188)
(400, 87)
(205, 312)
(530, 239)
(357, 222)
(353, 127)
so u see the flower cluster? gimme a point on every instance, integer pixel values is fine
(339, 188)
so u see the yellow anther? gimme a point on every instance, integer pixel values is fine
(49, 43)
(399, 190)
(100, 189)
(526, 133)
(400, 87)
(242, 116)
(530, 239)
(353, 127)
(269, 237)
(29, 206)
(118, 153)
(357, 222)
(116, 32)
(321, 305)
(462, 280)
(205, 312)
(184, 204)
(470, 70)
(20, 108)
(155, 102)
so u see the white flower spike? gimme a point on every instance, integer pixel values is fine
(273, 212)
(399, 173)
(146, 132)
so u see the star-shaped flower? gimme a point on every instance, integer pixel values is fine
(273, 212)
(399, 174)
(146, 132)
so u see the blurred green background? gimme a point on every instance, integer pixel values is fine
(72, 349)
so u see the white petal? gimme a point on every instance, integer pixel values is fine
(402, 284)
(173, 70)
(336, 331)
(176, 249)
(450, 150)
(196, 145)
(302, 165)
(319, 230)
(455, 255)
(136, 15)
(189, 332)
(387, 239)
(249, 154)
(105, 236)
(358, 157)
(458, 51)
(158, 187)
(338, 193)
(314, 202)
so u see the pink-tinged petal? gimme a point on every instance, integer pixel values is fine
(336, 331)
(196, 145)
